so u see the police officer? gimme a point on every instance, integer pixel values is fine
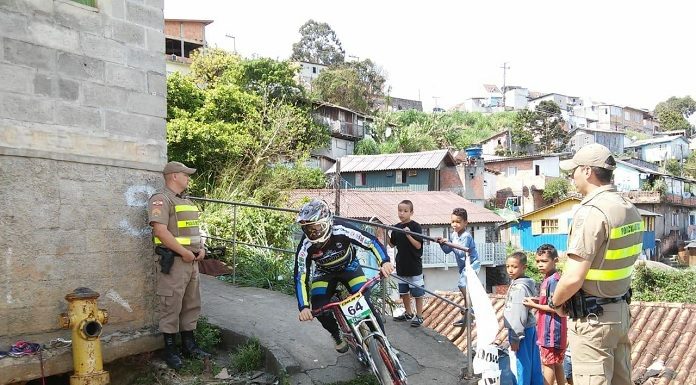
(175, 227)
(604, 241)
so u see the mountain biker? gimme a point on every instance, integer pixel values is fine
(329, 244)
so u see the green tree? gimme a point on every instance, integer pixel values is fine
(673, 167)
(250, 119)
(556, 189)
(372, 79)
(318, 44)
(182, 95)
(547, 127)
(673, 114)
(341, 86)
(366, 146)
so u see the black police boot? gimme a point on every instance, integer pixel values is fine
(190, 348)
(171, 356)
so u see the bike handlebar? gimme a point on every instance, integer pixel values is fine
(368, 285)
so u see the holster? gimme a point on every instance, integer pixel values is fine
(166, 259)
(581, 305)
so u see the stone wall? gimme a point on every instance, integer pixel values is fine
(82, 143)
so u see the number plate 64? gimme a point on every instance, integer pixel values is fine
(355, 309)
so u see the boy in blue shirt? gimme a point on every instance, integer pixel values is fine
(461, 237)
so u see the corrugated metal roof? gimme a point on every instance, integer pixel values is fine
(430, 207)
(662, 334)
(645, 142)
(412, 161)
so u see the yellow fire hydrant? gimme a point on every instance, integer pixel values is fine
(85, 320)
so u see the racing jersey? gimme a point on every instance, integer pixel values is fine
(335, 255)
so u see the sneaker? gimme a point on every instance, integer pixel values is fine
(403, 317)
(341, 345)
(417, 321)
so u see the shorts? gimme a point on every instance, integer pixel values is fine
(415, 286)
(551, 356)
(462, 277)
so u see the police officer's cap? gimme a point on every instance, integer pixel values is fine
(594, 155)
(173, 167)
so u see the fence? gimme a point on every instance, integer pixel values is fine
(490, 254)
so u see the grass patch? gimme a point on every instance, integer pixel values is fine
(208, 336)
(248, 357)
(365, 379)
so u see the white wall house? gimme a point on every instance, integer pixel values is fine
(660, 149)
(308, 72)
(517, 98)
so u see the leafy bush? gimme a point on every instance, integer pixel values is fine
(248, 357)
(664, 286)
(208, 336)
(556, 189)
(267, 270)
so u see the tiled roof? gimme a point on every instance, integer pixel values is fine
(663, 335)
(430, 207)
(425, 160)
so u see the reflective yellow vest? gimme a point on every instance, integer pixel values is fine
(183, 223)
(610, 273)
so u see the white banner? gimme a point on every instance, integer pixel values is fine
(486, 359)
(486, 321)
(491, 377)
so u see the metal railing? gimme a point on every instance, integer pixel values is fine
(490, 254)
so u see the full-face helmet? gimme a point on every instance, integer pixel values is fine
(316, 219)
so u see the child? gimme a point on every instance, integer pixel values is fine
(551, 327)
(520, 321)
(409, 263)
(459, 221)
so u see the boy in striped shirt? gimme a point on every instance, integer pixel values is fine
(551, 328)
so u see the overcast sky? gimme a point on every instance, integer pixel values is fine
(635, 53)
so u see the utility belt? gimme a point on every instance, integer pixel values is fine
(166, 258)
(582, 305)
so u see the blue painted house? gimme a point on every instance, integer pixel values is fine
(417, 171)
(551, 224)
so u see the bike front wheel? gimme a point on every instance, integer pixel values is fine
(386, 366)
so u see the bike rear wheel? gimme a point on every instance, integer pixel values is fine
(385, 364)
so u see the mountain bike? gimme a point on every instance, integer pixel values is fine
(361, 331)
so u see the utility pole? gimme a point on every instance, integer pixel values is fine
(505, 68)
(337, 186)
(234, 42)
(436, 98)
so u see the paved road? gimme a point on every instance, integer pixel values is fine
(305, 351)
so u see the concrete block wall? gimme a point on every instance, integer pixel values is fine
(82, 146)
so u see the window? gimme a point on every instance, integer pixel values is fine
(412, 172)
(512, 171)
(675, 219)
(89, 3)
(692, 220)
(549, 226)
(649, 223)
(360, 179)
(537, 170)
(401, 176)
(314, 70)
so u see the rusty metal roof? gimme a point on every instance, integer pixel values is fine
(429, 207)
(663, 336)
(403, 161)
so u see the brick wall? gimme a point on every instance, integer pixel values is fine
(82, 141)
(450, 179)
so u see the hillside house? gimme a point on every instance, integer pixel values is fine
(182, 37)
(676, 204)
(308, 71)
(432, 209)
(613, 140)
(418, 171)
(346, 127)
(551, 224)
(659, 149)
(522, 180)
